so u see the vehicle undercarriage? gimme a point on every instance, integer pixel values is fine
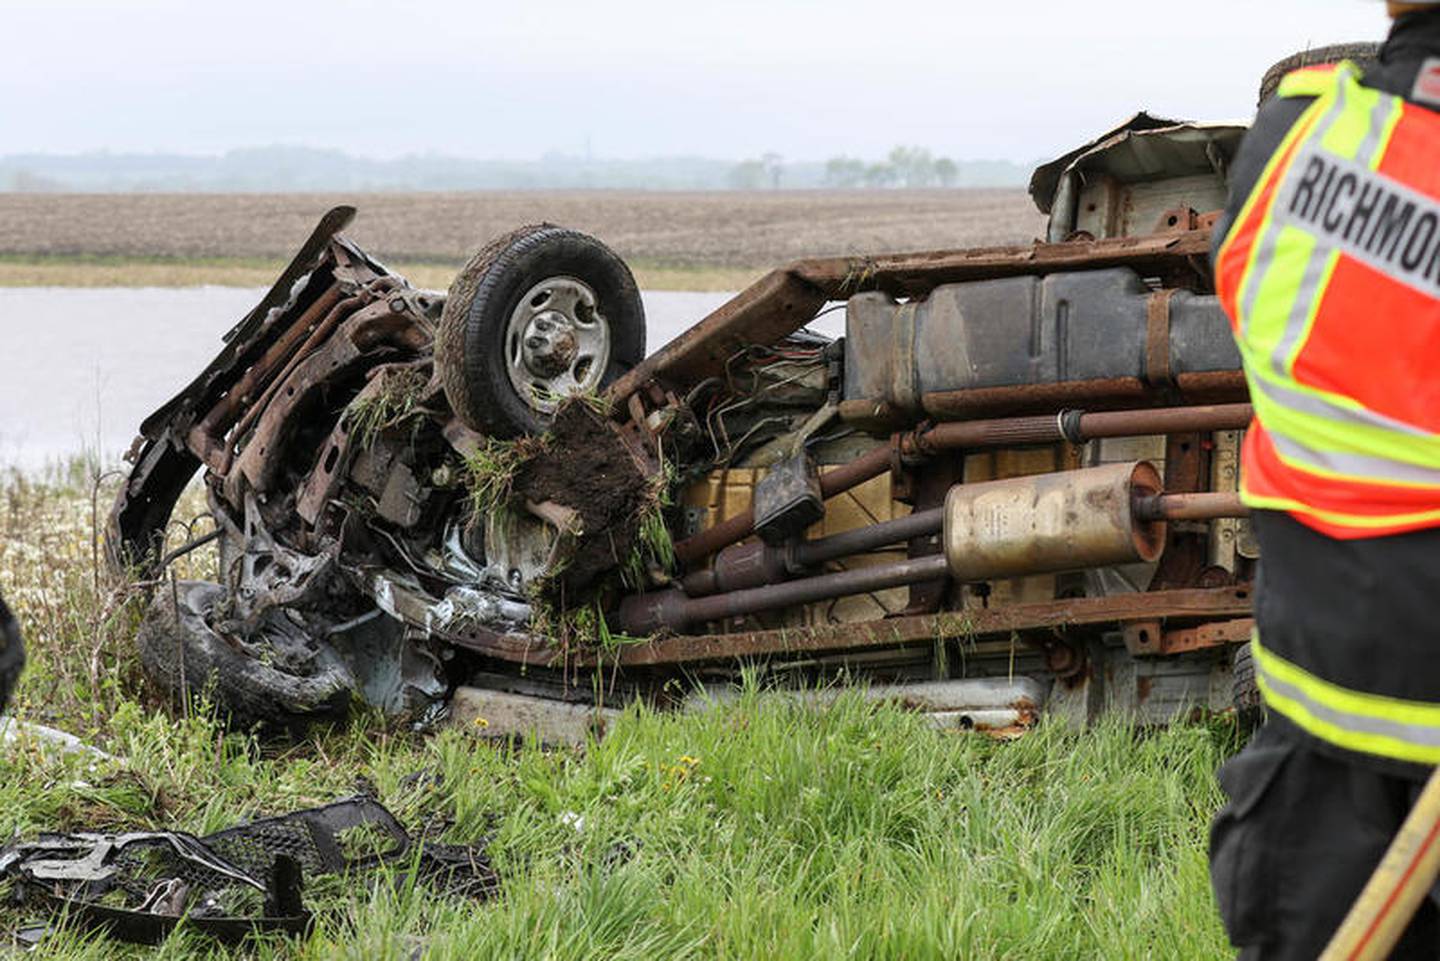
(1008, 489)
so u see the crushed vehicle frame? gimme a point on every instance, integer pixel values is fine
(1020, 463)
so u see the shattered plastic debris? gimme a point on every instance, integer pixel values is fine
(140, 885)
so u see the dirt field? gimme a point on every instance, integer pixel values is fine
(660, 230)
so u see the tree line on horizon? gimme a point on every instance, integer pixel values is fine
(904, 167)
(284, 168)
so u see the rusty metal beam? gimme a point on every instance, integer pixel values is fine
(918, 273)
(1228, 608)
(514, 648)
(206, 439)
(1051, 616)
(773, 307)
(1208, 387)
(1149, 638)
(242, 338)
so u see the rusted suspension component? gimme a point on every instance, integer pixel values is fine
(1073, 426)
(1149, 638)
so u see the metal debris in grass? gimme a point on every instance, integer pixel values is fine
(139, 886)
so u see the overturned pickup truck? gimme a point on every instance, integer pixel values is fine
(1009, 488)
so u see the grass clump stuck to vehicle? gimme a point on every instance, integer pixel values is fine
(490, 471)
(761, 827)
(394, 396)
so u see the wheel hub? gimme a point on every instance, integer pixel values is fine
(557, 342)
(549, 345)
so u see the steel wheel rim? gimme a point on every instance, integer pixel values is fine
(557, 343)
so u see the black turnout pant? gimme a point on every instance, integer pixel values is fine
(1299, 837)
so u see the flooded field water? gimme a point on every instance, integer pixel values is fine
(80, 368)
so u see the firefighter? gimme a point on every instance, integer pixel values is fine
(1328, 264)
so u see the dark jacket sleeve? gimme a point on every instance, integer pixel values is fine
(12, 654)
(1271, 125)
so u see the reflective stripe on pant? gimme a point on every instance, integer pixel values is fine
(1368, 723)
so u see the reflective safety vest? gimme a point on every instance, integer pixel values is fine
(1331, 278)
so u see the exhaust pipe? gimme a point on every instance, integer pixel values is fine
(1098, 517)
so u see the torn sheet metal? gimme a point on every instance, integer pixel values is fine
(1046, 178)
(460, 608)
(1119, 184)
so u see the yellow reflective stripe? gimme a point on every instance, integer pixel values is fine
(1247, 211)
(1298, 334)
(1359, 130)
(1352, 126)
(1282, 248)
(1361, 742)
(1369, 723)
(1340, 465)
(1338, 518)
(1305, 399)
(1306, 82)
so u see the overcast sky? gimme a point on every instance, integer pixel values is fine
(635, 78)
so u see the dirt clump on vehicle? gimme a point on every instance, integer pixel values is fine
(588, 468)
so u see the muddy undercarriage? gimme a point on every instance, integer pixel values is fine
(1009, 488)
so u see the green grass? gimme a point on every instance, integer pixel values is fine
(395, 399)
(761, 829)
(490, 471)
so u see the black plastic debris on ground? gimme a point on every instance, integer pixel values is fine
(139, 886)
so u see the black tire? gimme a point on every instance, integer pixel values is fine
(246, 691)
(470, 349)
(1365, 54)
(1244, 692)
